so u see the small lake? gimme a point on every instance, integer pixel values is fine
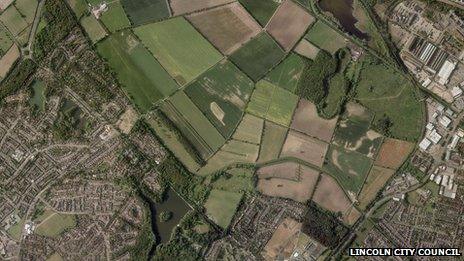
(38, 98)
(342, 10)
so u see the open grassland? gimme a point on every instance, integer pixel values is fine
(235, 180)
(287, 74)
(249, 129)
(325, 37)
(221, 94)
(55, 224)
(79, 7)
(375, 181)
(13, 20)
(393, 153)
(262, 10)
(182, 7)
(144, 11)
(388, 94)
(115, 18)
(193, 124)
(5, 40)
(308, 121)
(287, 180)
(283, 241)
(272, 103)
(330, 196)
(272, 141)
(258, 56)
(179, 48)
(226, 27)
(305, 148)
(141, 76)
(223, 159)
(93, 28)
(353, 131)
(307, 49)
(8, 60)
(350, 168)
(288, 24)
(27, 8)
(246, 150)
(351, 216)
(221, 206)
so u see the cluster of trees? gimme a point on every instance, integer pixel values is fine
(17, 78)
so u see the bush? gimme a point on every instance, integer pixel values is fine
(165, 216)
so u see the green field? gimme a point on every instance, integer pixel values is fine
(246, 150)
(141, 76)
(55, 224)
(261, 10)
(287, 74)
(221, 206)
(193, 124)
(27, 8)
(235, 180)
(258, 56)
(221, 160)
(5, 41)
(249, 129)
(145, 11)
(349, 168)
(386, 93)
(115, 18)
(272, 141)
(325, 37)
(222, 94)
(79, 7)
(272, 103)
(179, 48)
(13, 20)
(93, 28)
(15, 230)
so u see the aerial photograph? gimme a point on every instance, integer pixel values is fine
(231, 130)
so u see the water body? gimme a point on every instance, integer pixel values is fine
(38, 98)
(342, 10)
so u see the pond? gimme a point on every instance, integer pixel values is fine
(342, 10)
(38, 98)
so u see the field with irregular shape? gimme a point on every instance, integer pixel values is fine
(145, 11)
(179, 48)
(287, 74)
(272, 141)
(221, 206)
(330, 195)
(393, 153)
(249, 129)
(262, 10)
(115, 18)
(305, 148)
(375, 181)
(93, 28)
(325, 37)
(182, 7)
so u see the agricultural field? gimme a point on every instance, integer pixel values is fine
(287, 74)
(325, 37)
(183, 7)
(353, 131)
(307, 49)
(226, 27)
(93, 28)
(348, 167)
(272, 141)
(375, 181)
(54, 224)
(145, 11)
(258, 56)
(246, 150)
(388, 94)
(221, 94)
(13, 20)
(272, 103)
(350, 216)
(8, 60)
(79, 7)
(261, 10)
(5, 41)
(249, 129)
(141, 76)
(27, 8)
(288, 24)
(193, 124)
(393, 153)
(223, 159)
(308, 121)
(115, 18)
(330, 196)
(305, 148)
(182, 51)
(287, 180)
(221, 206)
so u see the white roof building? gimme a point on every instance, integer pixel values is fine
(429, 126)
(445, 72)
(445, 121)
(434, 136)
(456, 91)
(425, 144)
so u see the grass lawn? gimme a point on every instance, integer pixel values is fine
(258, 56)
(15, 231)
(325, 37)
(179, 48)
(221, 206)
(27, 8)
(141, 76)
(235, 180)
(221, 94)
(13, 20)
(79, 7)
(93, 28)
(349, 168)
(115, 18)
(272, 141)
(261, 10)
(144, 11)
(287, 74)
(55, 224)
